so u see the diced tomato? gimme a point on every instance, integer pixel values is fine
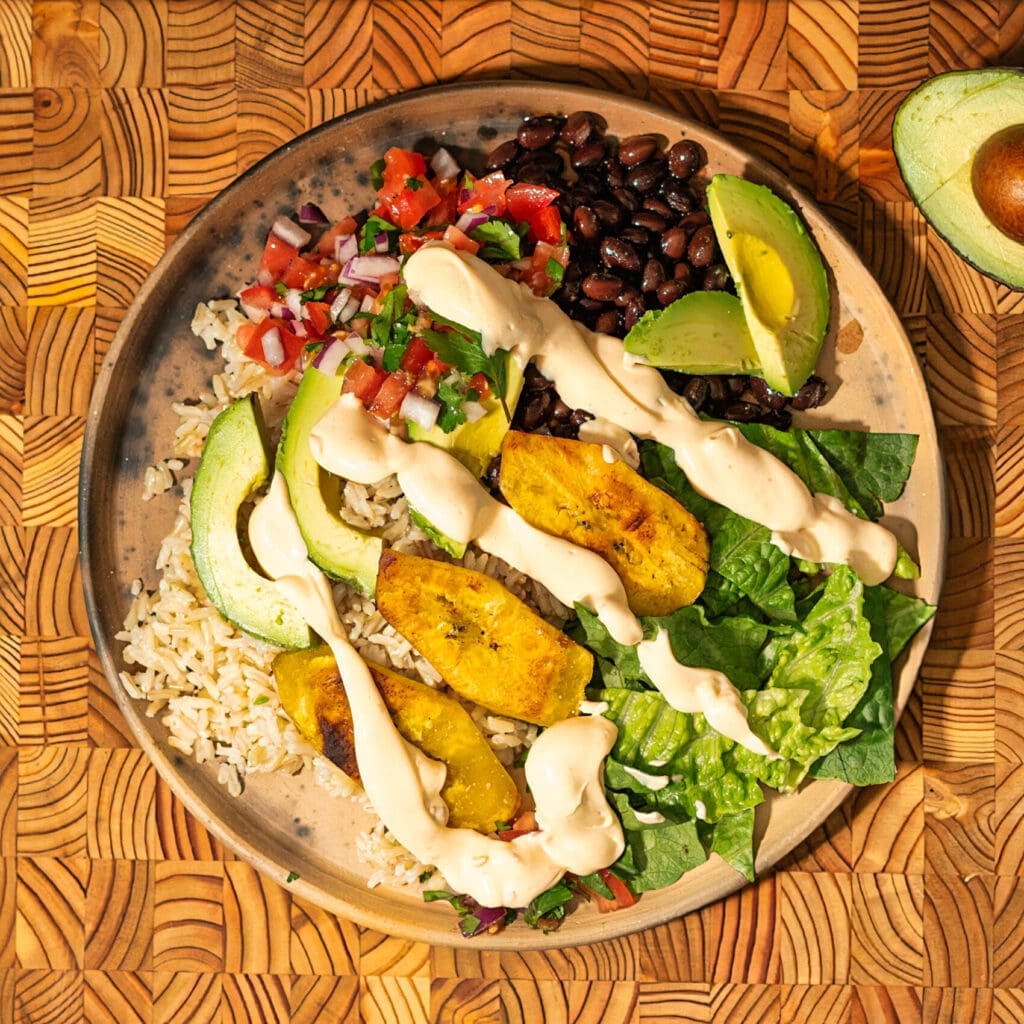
(480, 385)
(446, 211)
(523, 825)
(458, 239)
(363, 380)
(345, 226)
(416, 356)
(478, 194)
(250, 340)
(532, 203)
(283, 262)
(408, 242)
(259, 297)
(546, 225)
(537, 277)
(391, 394)
(318, 317)
(620, 891)
(436, 368)
(405, 195)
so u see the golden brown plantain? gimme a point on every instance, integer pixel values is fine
(567, 488)
(478, 790)
(487, 645)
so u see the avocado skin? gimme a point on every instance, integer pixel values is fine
(340, 550)
(759, 234)
(936, 132)
(233, 466)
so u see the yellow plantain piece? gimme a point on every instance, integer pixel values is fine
(478, 790)
(488, 646)
(568, 488)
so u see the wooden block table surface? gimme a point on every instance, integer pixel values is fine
(119, 119)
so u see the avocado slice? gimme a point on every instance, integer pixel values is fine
(937, 131)
(779, 275)
(476, 444)
(342, 551)
(234, 464)
(702, 332)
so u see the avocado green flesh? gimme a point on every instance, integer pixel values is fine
(779, 275)
(476, 444)
(455, 548)
(233, 466)
(342, 551)
(702, 332)
(936, 133)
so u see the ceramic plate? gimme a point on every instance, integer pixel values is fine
(284, 824)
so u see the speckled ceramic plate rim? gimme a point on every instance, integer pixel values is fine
(713, 881)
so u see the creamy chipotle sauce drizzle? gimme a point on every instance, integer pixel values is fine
(578, 831)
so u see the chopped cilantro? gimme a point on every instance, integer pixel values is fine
(499, 241)
(413, 184)
(452, 413)
(374, 226)
(281, 288)
(261, 699)
(555, 270)
(377, 173)
(292, 876)
(316, 294)
(549, 906)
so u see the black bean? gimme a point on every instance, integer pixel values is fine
(684, 158)
(504, 154)
(673, 243)
(669, 291)
(589, 155)
(601, 287)
(493, 476)
(636, 149)
(536, 410)
(701, 250)
(811, 395)
(696, 392)
(716, 278)
(608, 322)
(736, 384)
(658, 205)
(577, 129)
(626, 199)
(537, 132)
(634, 310)
(692, 221)
(534, 380)
(619, 254)
(559, 411)
(545, 159)
(579, 417)
(653, 276)
(609, 214)
(627, 295)
(765, 396)
(638, 236)
(615, 173)
(585, 223)
(645, 177)
(742, 412)
(683, 273)
(716, 388)
(678, 197)
(588, 305)
(649, 220)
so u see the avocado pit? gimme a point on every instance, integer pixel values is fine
(997, 178)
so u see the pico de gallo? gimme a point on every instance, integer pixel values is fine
(329, 293)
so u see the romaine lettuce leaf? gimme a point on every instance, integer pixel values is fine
(732, 839)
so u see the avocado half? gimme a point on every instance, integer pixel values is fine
(780, 278)
(936, 134)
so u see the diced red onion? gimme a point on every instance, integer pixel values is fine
(252, 312)
(310, 213)
(273, 348)
(293, 300)
(421, 411)
(349, 310)
(290, 232)
(330, 357)
(380, 241)
(465, 195)
(474, 411)
(345, 247)
(357, 344)
(444, 165)
(299, 329)
(487, 917)
(471, 221)
(366, 306)
(370, 269)
(339, 302)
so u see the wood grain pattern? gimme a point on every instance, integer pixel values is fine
(119, 120)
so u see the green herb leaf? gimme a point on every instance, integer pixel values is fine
(452, 412)
(377, 173)
(281, 288)
(555, 271)
(374, 226)
(413, 184)
(549, 905)
(261, 699)
(499, 241)
(317, 294)
(292, 876)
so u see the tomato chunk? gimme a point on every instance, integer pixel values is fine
(480, 193)
(458, 239)
(406, 195)
(391, 394)
(318, 317)
(363, 380)
(250, 340)
(416, 356)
